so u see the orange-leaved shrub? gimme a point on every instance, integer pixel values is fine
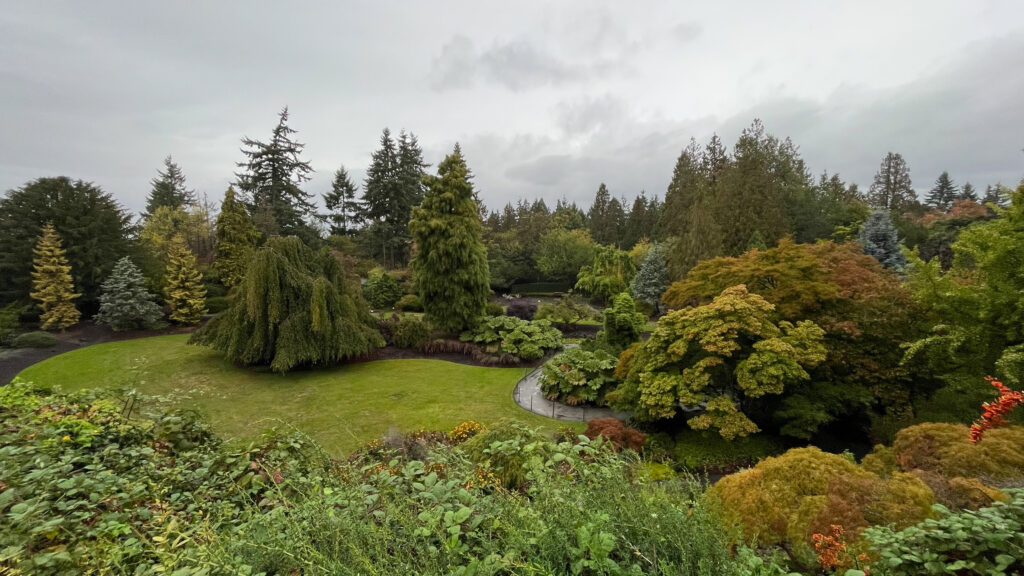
(785, 500)
(613, 430)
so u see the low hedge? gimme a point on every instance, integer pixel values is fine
(37, 339)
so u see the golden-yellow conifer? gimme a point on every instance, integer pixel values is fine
(51, 282)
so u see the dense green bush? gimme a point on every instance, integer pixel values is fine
(9, 322)
(409, 303)
(622, 323)
(494, 309)
(410, 332)
(88, 491)
(528, 340)
(569, 309)
(381, 290)
(217, 304)
(703, 451)
(578, 376)
(36, 339)
(985, 541)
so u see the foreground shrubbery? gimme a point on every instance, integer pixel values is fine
(83, 489)
(578, 376)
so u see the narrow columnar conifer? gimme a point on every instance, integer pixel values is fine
(451, 270)
(183, 289)
(236, 239)
(51, 282)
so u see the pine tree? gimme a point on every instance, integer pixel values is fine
(616, 222)
(236, 240)
(451, 269)
(183, 288)
(169, 189)
(880, 240)
(636, 222)
(891, 189)
(943, 193)
(125, 304)
(272, 173)
(344, 209)
(651, 280)
(968, 193)
(51, 282)
(995, 195)
(295, 307)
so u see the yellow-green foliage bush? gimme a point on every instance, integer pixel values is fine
(961, 474)
(947, 449)
(786, 499)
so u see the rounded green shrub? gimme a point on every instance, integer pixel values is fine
(409, 303)
(381, 290)
(36, 339)
(410, 332)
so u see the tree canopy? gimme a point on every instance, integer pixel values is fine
(169, 189)
(712, 357)
(295, 307)
(93, 227)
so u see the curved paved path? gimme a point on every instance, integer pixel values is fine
(529, 396)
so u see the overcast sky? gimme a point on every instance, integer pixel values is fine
(547, 99)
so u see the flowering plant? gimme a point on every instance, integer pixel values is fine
(996, 411)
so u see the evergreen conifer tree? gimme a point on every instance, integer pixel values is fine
(94, 230)
(236, 240)
(169, 189)
(450, 265)
(967, 192)
(295, 307)
(943, 193)
(125, 304)
(51, 282)
(651, 280)
(602, 226)
(756, 242)
(880, 240)
(271, 179)
(996, 195)
(342, 205)
(183, 284)
(891, 189)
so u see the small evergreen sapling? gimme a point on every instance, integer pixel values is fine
(51, 282)
(184, 290)
(125, 304)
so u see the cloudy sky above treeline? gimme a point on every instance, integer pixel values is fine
(548, 99)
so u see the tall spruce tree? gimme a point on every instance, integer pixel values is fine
(450, 265)
(602, 224)
(344, 209)
(967, 192)
(169, 189)
(295, 307)
(880, 240)
(651, 280)
(93, 227)
(996, 195)
(270, 182)
(51, 283)
(236, 240)
(183, 284)
(891, 189)
(943, 193)
(125, 304)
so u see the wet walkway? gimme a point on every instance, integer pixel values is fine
(529, 396)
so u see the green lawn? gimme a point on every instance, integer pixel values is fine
(342, 407)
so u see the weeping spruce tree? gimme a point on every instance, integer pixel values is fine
(293, 308)
(451, 262)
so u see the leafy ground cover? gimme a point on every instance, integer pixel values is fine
(342, 408)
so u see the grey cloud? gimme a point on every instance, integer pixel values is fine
(687, 32)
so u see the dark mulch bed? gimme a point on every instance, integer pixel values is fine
(13, 361)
